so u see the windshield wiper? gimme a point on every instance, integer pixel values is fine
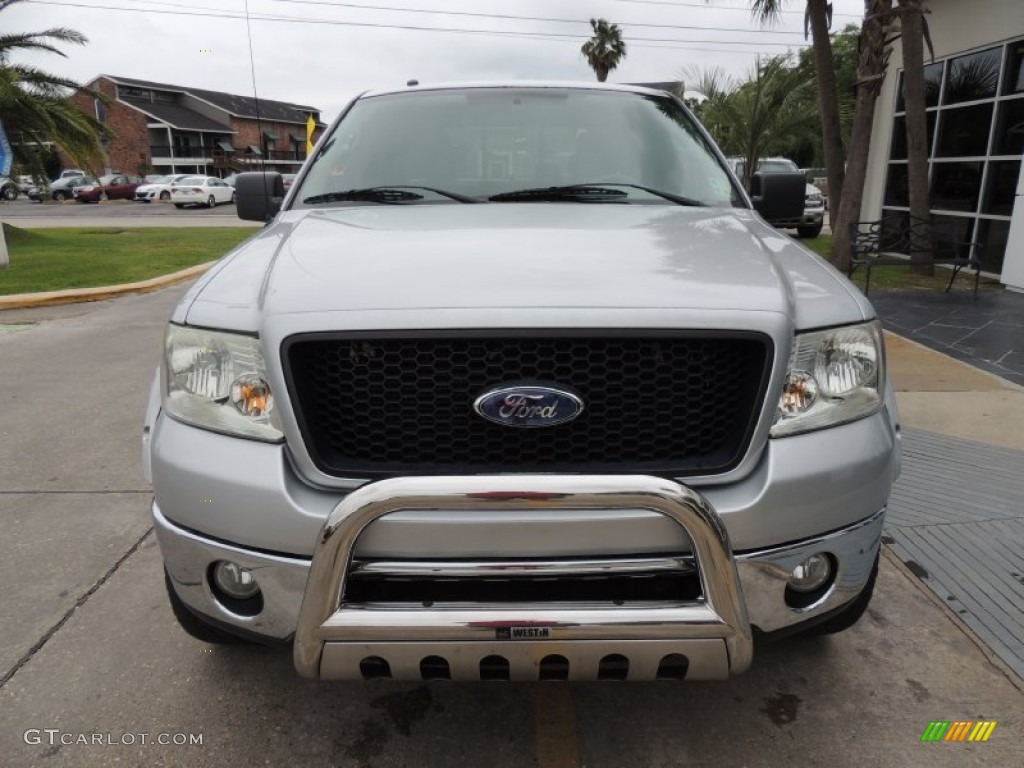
(575, 192)
(594, 191)
(393, 194)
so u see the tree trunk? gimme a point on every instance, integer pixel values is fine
(870, 71)
(828, 100)
(911, 24)
(602, 73)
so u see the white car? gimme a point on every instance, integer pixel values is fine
(201, 190)
(159, 188)
(9, 188)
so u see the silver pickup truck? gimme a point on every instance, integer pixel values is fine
(517, 383)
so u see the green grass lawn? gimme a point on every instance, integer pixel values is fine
(900, 278)
(55, 259)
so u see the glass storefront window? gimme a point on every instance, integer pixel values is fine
(1013, 81)
(896, 185)
(1000, 187)
(899, 136)
(959, 228)
(932, 86)
(956, 186)
(963, 132)
(992, 236)
(975, 149)
(973, 77)
(1009, 128)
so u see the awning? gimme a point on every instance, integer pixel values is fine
(252, 149)
(269, 136)
(297, 137)
(225, 145)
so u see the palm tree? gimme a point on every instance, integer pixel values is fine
(758, 116)
(35, 105)
(913, 34)
(873, 58)
(818, 17)
(605, 49)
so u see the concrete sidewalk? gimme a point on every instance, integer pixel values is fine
(940, 394)
(955, 517)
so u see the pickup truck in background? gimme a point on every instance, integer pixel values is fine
(811, 220)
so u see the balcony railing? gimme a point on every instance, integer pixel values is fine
(179, 153)
(220, 157)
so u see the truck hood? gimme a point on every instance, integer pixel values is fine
(520, 256)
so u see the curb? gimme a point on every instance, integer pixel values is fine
(75, 295)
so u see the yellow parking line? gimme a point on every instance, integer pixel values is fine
(556, 727)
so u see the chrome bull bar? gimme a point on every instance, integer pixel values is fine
(713, 633)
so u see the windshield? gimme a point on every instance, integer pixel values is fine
(162, 180)
(484, 142)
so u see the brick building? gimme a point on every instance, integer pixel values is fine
(161, 128)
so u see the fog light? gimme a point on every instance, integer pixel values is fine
(234, 580)
(811, 574)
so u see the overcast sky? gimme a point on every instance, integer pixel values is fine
(356, 45)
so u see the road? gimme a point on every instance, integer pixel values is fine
(88, 644)
(24, 213)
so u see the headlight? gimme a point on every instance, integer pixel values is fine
(218, 381)
(834, 376)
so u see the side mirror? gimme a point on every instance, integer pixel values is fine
(778, 196)
(258, 195)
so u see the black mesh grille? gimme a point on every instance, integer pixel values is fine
(372, 405)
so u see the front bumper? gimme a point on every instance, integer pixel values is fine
(302, 597)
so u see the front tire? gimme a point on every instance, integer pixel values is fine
(10, 192)
(60, 197)
(808, 232)
(165, 196)
(195, 626)
(211, 202)
(179, 206)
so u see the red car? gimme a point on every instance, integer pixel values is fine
(108, 188)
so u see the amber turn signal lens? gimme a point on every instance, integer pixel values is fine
(799, 393)
(251, 395)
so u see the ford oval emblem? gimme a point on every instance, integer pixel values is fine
(528, 406)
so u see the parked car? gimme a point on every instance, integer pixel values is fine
(60, 190)
(108, 188)
(624, 425)
(813, 218)
(159, 188)
(8, 189)
(201, 190)
(70, 172)
(25, 183)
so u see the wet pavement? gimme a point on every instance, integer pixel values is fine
(987, 333)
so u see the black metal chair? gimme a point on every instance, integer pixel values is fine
(889, 241)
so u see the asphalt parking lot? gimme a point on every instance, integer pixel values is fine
(88, 644)
(122, 213)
